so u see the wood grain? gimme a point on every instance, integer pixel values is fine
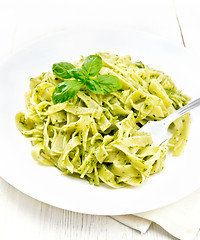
(22, 217)
(189, 18)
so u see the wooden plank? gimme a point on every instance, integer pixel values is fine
(22, 217)
(189, 18)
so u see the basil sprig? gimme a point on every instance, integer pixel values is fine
(66, 90)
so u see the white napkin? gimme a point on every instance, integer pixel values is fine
(181, 219)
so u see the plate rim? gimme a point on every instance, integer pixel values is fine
(6, 178)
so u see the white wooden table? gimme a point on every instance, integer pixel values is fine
(22, 22)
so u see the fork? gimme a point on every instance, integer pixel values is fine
(159, 129)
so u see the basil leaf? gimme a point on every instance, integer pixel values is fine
(104, 84)
(94, 86)
(66, 90)
(92, 65)
(61, 69)
(78, 73)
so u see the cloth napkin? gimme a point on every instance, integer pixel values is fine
(181, 219)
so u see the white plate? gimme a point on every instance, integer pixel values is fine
(180, 176)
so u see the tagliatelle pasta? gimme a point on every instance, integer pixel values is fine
(95, 136)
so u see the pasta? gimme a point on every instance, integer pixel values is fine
(95, 136)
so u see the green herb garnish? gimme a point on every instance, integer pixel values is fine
(139, 64)
(102, 84)
(61, 69)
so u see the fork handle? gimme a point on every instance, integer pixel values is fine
(183, 110)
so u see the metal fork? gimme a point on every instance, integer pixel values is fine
(158, 129)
